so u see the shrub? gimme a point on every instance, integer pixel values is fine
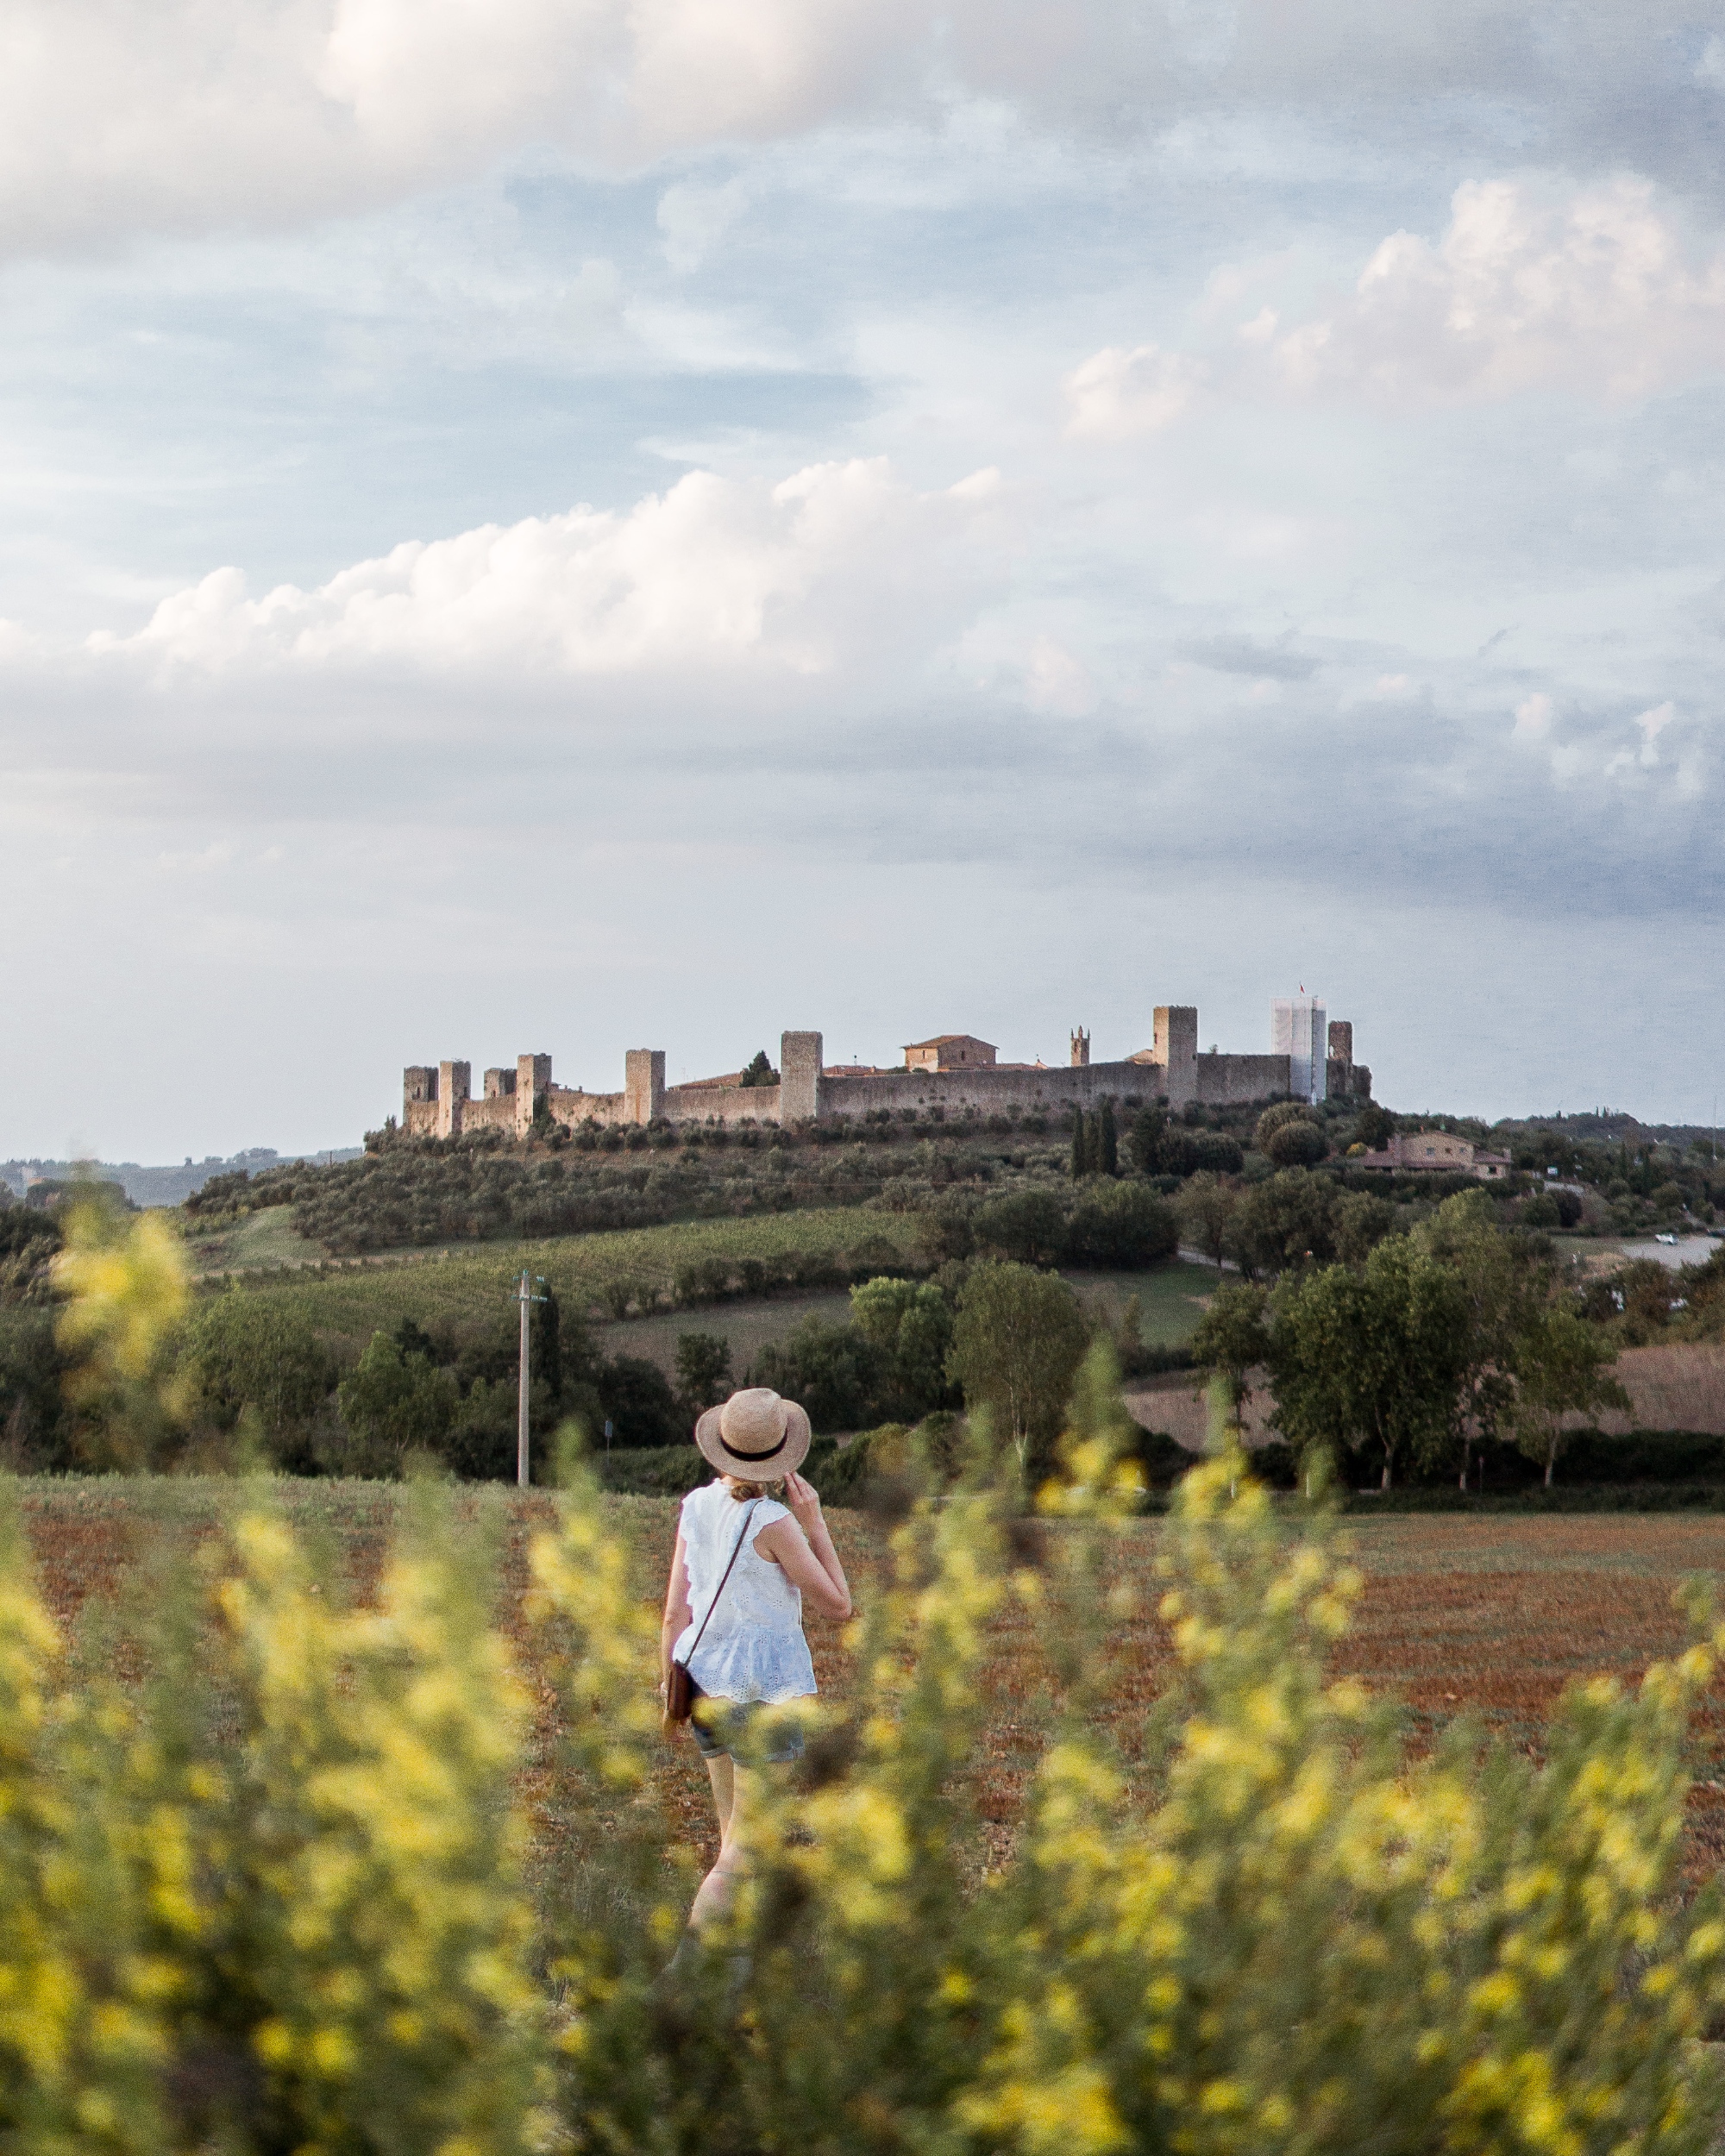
(1027, 1227)
(1295, 1143)
(1124, 1225)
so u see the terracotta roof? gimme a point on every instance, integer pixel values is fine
(940, 1040)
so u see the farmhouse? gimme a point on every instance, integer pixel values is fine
(958, 1072)
(1435, 1153)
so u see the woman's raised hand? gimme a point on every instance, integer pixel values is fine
(804, 1500)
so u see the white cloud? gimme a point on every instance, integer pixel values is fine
(1533, 717)
(1116, 394)
(835, 565)
(1597, 295)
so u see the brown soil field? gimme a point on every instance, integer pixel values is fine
(1488, 1616)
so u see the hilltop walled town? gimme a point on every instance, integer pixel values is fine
(1311, 1058)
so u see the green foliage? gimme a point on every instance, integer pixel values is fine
(704, 1374)
(831, 1370)
(1205, 1209)
(394, 1405)
(1027, 1226)
(247, 1350)
(1108, 1140)
(1285, 1222)
(1296, 1143)
(1232, 1339)
(30, 1239)
(1016, 1347)
(1372, 1359)
(1281, 1115)
(1562, 1368)
(1120, 1224)
(909, 1324)
(1159, 1147)
(758, 1070)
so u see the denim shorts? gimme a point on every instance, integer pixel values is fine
(723, 1726)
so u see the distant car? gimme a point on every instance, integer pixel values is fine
(1665, 1238)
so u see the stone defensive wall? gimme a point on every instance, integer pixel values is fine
(437, 1097)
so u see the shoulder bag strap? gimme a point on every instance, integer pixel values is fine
(719, 1589)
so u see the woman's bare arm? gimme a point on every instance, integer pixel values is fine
(677, 1610)
(802, 1547)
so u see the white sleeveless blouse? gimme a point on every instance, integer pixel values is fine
(754, 1649)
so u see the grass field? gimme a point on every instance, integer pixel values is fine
(267, 1237)
(1487, 1616)
(470, 1284)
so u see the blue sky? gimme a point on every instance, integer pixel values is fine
(565, 526)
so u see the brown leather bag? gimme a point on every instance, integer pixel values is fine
(680, 1686)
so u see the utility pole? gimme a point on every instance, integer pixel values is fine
(526, 1298)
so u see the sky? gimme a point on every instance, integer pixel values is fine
(576, 524)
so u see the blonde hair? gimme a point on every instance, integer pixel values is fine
(743, 1491)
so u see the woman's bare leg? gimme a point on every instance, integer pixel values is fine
(745, 1788)
(719, 1773)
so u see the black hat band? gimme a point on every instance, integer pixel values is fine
(767, 1455)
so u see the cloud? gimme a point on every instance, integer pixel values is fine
(793, 579)
(1248, 656)
(1117, 394)
(198, 115)
(1598, 295)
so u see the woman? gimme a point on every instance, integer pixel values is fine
(748, 1651)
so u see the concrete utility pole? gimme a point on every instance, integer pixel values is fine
(526, 1298)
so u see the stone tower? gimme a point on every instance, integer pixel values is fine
(1080, 1050)
(799, 1068)
(1176, 1048)
(643, 1084)
(455, 1090)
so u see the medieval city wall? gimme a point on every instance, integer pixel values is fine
(1223, 1082)
(993, 1092)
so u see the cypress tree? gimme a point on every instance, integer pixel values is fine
(1080, 1151)
(1108, 1145)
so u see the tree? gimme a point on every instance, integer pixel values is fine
(1373, 1127)
(1124, 1225)
(1359, 1220)
(1232, 1339)
(1370, 1359)
(1108, 1142)
(1028, 1226)
(1561, 1368)
(1295, 1144)
(1206, 1209)
(1016, 1346)
(394, 1404)
(704, 1375)
(1502, 1287)
(832, 1370)
(909, 1323)
(1080, 1150)
(758, 1070)
(250, 1351)
(1275, 1117)
(1144, 1141)
(636, 1398)
(1284, 1222)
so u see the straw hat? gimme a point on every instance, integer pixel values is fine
(756, 1436)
